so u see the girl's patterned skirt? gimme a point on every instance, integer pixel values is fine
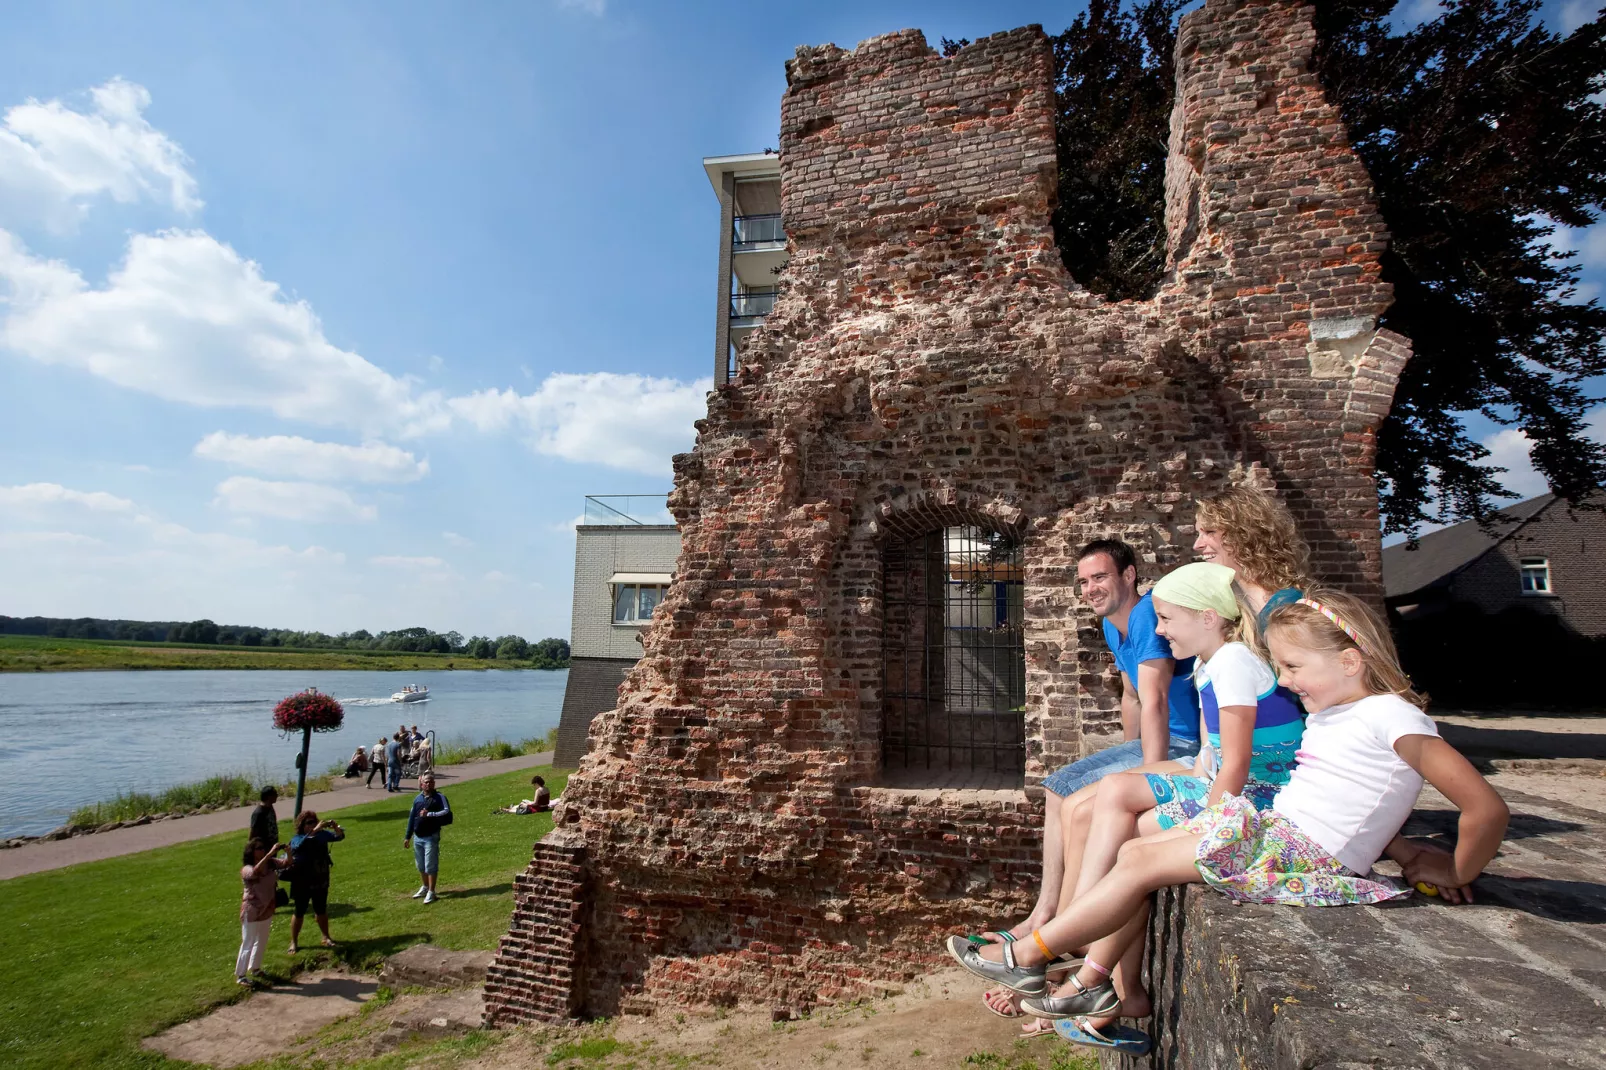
(1178, 797)
(1259, 856)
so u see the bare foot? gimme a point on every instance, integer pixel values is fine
(1002, 1002)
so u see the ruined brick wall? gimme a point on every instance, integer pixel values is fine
(928, 364)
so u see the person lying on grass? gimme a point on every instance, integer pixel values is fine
(1367, 748)
(538, 805)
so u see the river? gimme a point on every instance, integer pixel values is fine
(72, 738)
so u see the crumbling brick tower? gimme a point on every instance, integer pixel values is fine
(739, 830)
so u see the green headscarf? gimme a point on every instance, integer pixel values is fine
(1201, 585)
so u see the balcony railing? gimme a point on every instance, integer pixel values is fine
(625, 510)
(752, 305)
(756, 232)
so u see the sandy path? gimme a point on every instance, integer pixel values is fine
(37, 857)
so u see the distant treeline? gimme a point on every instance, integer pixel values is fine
(546, 654)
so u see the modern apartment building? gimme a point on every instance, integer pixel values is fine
(625, 550)
(752, 248)
(624, 558)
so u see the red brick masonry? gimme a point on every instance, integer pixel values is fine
(930, 363)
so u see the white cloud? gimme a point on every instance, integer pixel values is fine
(1588, 242)
(1574, 13)
(309, 502)
(54, 160)
(23, 540)
(35, 495)
(633, 422)
(301, 458)
(590, 7)
(454, 539)
(1509, 448)
(495, 576)
(186, 318)
(416, 563)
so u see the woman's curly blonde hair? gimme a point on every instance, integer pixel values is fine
(1259, 532)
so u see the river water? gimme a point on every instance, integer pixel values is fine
(72, 738)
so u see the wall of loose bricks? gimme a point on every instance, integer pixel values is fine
(929, 363)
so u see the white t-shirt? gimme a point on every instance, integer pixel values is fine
(1236, 677)
(1350, 792)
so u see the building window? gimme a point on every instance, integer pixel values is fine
(1535, 575)
(633, 603)
(954, 654)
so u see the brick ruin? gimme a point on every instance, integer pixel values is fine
(732, 835)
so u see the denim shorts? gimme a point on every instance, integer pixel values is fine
(1117, 759)
(427, 854)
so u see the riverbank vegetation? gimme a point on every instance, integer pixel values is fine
(30, 653)
(227, 790)
(221, 792)
(543, 654)
(107, 953)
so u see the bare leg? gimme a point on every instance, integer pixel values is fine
(1115, 820)
(1077, 823)
(1101, 915)
(295, 932)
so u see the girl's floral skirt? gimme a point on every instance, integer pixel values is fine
(1178, 797)
(1259, 856)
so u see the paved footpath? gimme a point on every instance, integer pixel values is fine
(37, 857)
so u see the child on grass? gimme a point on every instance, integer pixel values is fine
(1366, 749)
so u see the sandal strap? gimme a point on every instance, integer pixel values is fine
(1085, 1024)
(1009, 956)
(1077, 981)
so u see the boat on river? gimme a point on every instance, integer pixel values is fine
(411, 694)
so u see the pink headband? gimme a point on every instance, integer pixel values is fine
(1339, 622)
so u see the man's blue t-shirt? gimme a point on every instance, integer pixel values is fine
(1142, 644)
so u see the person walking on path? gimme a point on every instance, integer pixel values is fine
(261, 877)
(393, 763)
(309, 873)
(264, 819)
(376, 764)
(430, 812)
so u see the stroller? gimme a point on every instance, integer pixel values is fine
(421, 759)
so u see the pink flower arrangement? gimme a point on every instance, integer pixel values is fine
(308, 709)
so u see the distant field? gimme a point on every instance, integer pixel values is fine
(32, 653)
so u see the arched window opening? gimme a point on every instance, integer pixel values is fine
(954, 652)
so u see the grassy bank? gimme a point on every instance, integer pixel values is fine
(242, 789)
(30, 653)
(102, 954)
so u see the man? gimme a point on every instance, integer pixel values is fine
(429, 813)
(393, 763)
(1159, 708)
(264, 819)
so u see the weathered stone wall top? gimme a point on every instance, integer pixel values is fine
(893, 128)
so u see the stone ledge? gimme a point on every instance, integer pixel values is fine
(427, 966)
(1517, 979)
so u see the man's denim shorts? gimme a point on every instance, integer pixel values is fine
(427, 853)
(1117, 759)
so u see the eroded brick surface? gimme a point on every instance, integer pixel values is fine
(930, 363)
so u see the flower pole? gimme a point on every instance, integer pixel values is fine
(311, 712)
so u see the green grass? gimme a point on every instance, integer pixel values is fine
(223, 790)
(32, 653)
(102, 954)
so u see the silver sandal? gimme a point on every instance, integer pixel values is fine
(1099, 1001)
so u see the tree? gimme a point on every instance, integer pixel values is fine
(551, 650)
(480, 647)
(1479, 130)
(512, 648)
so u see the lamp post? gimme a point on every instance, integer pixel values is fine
(310, 711)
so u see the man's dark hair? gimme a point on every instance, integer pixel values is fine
(269, 793)
(1119, 552)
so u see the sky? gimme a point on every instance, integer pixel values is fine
(330, 316)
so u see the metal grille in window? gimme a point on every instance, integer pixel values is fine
(954, 653)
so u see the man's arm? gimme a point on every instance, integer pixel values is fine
(446, 809)
(412, 819)
(1131, 719)
(1154, 708)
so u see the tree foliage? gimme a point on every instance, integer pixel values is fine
(1480, 131)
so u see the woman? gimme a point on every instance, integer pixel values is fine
(1252, 533)
(309, 873)
(358, 765)
(260, 874)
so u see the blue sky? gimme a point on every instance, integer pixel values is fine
(330, 315)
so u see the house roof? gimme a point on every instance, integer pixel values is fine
(1440, 554)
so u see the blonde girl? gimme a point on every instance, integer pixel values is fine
(1366, 750)
(1252, 533)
